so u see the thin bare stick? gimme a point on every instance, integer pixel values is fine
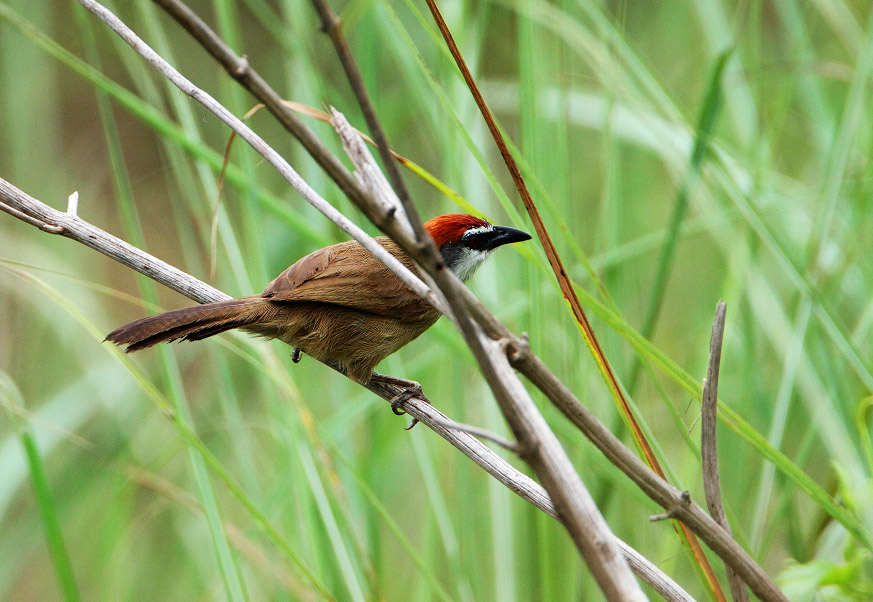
(75, 228)
(649, 573)
(42, 225)
(367, 171)
(73, 203)
(332, 26)
(709, 446)
(481, 433)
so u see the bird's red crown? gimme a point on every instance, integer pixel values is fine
(451, 227)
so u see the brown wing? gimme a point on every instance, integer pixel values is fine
(347, 274)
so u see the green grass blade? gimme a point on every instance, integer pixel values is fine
(11, 397)
(395, 529)
(708, 115)
(227, 564)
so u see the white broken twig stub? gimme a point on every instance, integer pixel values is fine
(73, 204)
(367, 171)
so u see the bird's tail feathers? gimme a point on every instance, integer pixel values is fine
(188, 323)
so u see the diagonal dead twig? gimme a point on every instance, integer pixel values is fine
(709, 447)
(332, 26)
(537, 443)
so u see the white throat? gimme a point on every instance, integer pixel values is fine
(467, 262)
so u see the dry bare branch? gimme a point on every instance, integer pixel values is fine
(709, 446)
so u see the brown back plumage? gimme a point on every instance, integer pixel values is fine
(338, 303)
(348, 275)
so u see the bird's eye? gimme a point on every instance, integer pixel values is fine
(476, 240)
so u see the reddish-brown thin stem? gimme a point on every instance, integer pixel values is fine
(564, 281)
(543, 234)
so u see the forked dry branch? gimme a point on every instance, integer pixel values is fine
(497, 350)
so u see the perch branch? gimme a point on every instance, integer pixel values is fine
(538, 444)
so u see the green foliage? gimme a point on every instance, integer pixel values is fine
(840, 571)
(220, 470)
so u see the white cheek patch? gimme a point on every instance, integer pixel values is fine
(467, 263)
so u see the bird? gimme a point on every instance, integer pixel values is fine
(338, 304)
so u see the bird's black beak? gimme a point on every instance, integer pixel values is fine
(503, 235)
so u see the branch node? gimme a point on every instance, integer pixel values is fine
(51, 228)
(479, 432)
(517, 347)
(683, 503)
(242, 66)
(33, 221)
(331, 26)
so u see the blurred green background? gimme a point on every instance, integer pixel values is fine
(301, 485)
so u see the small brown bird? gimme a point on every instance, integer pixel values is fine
(338, 304)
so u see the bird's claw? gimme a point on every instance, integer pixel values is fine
(408, 390)
(405, 395)
(295, 355)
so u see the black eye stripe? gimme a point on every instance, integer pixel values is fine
(477, 240)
